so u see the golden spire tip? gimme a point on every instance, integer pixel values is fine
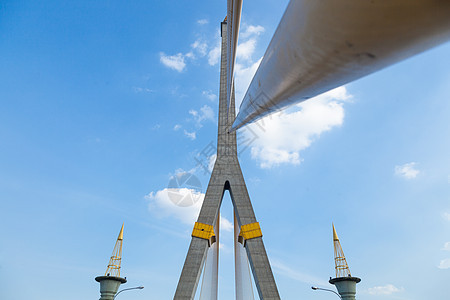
(121, 233)
(335, 236)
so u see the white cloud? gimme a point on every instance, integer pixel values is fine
(182, 203)
(191, 135)
(205, 113)
(209, 95)
(175, 62)
(279, 138)
(225, 248)
(446, 216)
(211, 162)
(225, 224)
(247, 45)
(444, 264)
(190, 54)
(214, 56)
(251, 30)
(246, 66)
(246, 49)
(387, 289)
(138, 90)
(407, 170)
(200, 47)
(202, 21)
(243, 76)
(161, 204)
(177, 127)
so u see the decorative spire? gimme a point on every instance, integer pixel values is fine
(113, 268)
(342, 269)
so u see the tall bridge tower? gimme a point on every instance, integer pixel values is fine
(226, 176)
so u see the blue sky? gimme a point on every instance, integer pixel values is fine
(102, 102)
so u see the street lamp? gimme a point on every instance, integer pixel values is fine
(322, 289)
(133, 288)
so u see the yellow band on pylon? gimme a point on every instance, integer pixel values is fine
(203, 231)
(250, 231)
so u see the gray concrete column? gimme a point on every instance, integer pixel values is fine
(346, 286)
(109, 285)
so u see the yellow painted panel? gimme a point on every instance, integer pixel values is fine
(250, 231)
(203, 231)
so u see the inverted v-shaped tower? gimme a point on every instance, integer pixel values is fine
(226, 175)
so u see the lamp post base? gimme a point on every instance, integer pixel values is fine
(346, 286)
(109, 285)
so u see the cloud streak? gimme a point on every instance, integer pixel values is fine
(446, 216)
(446, 246)
(252, 30)
(198, 49)
(214, 55)
(407, 171)
(209, 95)
(444, 264)
(202, 21)
(192, 135)
(387, 289)
(175, 62)
(205, 113)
